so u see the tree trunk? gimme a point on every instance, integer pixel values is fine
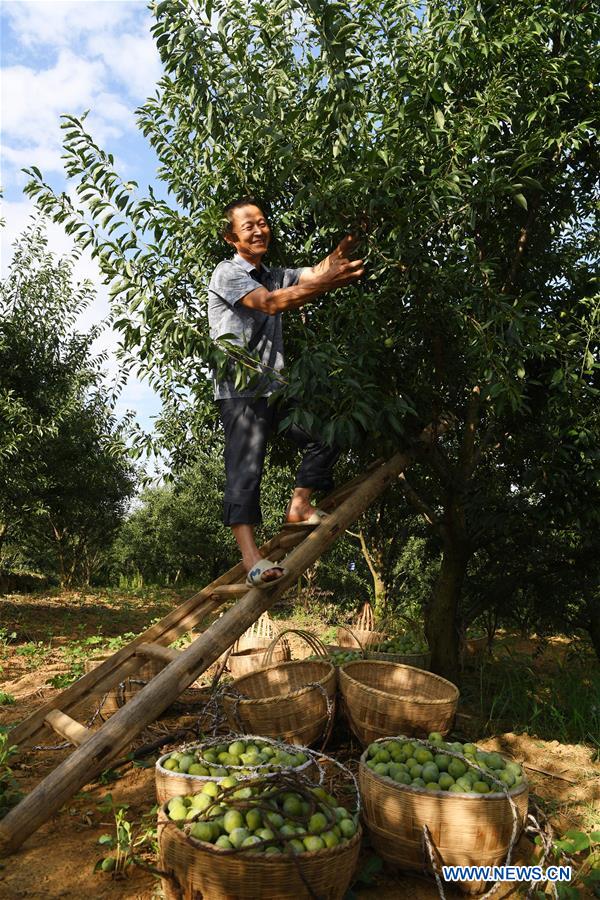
(60, 552)
(374, 562)
(441, 616)
(3, 533)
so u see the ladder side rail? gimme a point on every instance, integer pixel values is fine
(123, 663)
(88, 760)
(339, 494)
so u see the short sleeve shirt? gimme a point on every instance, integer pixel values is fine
(252, 329)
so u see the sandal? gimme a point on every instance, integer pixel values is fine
(316, 518)
(254, 578)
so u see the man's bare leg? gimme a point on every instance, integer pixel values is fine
(244, 535)
(300, 508)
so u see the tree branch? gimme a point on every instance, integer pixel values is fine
(522, 242)
(467, 450)
(377, 580)
(417, 502)
(484, 443)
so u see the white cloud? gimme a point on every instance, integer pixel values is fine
(109, 117)
(32, 101)
(61, 24)
(18, 215)
(116, 34)
(45, 156)
(131, 58)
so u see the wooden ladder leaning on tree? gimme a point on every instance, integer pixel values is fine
(95, 749)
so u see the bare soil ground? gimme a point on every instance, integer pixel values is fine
(58, 860)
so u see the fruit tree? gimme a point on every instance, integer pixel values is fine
(460, 140)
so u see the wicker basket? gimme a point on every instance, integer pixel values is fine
(250, 660)
(258, 636)
(357, 638)
(118, 696)
(177, 784)
(466, 829)
(382, 698)
(293, 701)
(203, 872)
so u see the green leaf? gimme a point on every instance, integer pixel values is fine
(578, 839)
(440, 119)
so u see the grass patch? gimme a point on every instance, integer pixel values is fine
(77, 652)
(559, 701)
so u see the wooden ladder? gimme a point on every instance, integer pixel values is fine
(301, 547)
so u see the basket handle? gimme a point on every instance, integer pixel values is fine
(365, 618)
(315, 644)
(262, 627)
(353, 636)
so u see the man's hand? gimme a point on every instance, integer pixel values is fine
(336, 270)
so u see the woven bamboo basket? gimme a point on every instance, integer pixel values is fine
(114, 699)
(255, 639)
(258, 636)
(293, 700)
(246, 661)
(177, 784)
(358, 638)
(201, 871)
(466, 829)
(382, 698)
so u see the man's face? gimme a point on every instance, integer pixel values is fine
(250, 233)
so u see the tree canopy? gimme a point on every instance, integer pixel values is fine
(460, 140)
(65, 475)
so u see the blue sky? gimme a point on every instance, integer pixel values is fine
(66, 57)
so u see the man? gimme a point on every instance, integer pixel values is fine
(246, 299)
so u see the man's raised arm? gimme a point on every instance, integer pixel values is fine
(335, 271)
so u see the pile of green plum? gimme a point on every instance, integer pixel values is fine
(408, 762)
(403, 643)
(339, 657)
(244, 755)
(264, 817)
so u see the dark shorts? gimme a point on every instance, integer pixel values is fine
(248, 425)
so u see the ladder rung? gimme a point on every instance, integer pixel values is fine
(231, 590)
(291, 540)
(67, 727)
(157, 652)
(299, 526)
(104, 744)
